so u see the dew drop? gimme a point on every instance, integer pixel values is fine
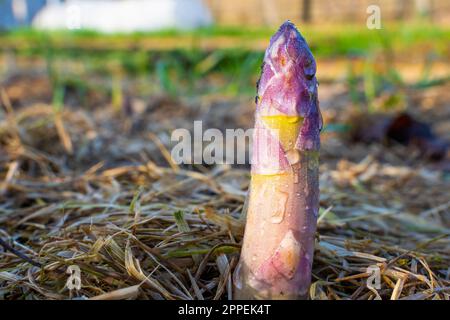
(293, 156)
(306, 191)
(280, 208)
(277, 218)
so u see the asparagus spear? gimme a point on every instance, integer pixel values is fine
(278, 246)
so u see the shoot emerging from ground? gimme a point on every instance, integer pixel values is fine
(278, 245)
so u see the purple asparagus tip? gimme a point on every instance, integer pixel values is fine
(287, 87)
(288, 84)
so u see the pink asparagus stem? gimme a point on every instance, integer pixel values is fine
(278, 247)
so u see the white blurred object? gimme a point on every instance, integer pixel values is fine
(20, 10)
(123, 15)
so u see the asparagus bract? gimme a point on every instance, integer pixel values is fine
(278, 247)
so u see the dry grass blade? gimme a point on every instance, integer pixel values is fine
(120, 294)
(139, 226)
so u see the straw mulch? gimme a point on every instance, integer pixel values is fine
(97, 189)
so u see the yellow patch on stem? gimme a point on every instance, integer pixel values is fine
(286, 127)
(275, 178)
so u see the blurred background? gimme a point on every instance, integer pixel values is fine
(141, 57)
(90, 92)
